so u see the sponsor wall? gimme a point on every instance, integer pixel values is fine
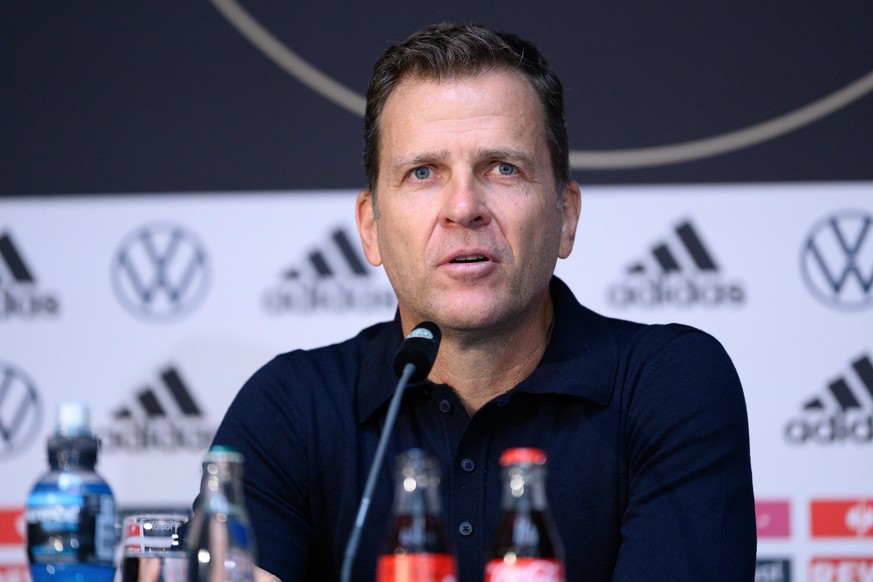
(155, 309)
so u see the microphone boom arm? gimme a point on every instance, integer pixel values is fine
(363, 508)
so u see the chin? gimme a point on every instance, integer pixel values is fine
(467, 310)
(468, 319)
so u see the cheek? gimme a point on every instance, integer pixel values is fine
(410, 223)
(540, 238)
(396, 240)
(536, 225)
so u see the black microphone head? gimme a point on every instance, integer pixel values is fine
(419, 349)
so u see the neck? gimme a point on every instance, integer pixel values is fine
(481, 365)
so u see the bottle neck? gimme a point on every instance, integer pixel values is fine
(222, 485)
(417, 524)
(416, 491)
(524, 488)
(72, 453)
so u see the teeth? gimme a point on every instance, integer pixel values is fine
(469, 259)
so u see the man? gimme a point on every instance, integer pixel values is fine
(468, 207)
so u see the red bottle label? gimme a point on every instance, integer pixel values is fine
(416, 568)
(524, 570)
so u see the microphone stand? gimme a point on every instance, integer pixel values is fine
(393, 409)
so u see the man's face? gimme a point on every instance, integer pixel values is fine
(468, 225)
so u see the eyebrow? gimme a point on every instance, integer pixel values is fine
(509, 154)
(420, 159)
(424, 158)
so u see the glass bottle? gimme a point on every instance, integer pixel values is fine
(151, 550)
(70, 513)
(417, 548)
(219, 541)
(526, 545)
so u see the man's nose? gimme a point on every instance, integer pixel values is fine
(465, 202)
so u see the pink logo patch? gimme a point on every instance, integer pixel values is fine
(773, 519)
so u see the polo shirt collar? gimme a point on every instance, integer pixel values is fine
(580, 360)
(582, 356)
(376, 378)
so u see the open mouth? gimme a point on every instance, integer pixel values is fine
(470, 259)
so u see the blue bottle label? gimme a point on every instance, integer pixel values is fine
(70, 528)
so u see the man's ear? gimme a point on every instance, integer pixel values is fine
(365, 215)
(572, 199)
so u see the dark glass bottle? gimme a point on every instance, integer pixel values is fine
(417, 548)
(219, 540)
(70, 513)
(526, 545)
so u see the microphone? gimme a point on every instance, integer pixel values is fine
(419, 349)
(412, 363)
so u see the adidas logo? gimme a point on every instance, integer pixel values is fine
(681, 272)
(334, 277)
(13, 262)
(19, 296)
(843, 413)
(164, 417)
(338, 257)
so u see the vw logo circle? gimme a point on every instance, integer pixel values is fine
(161, 272)
(837, 260)
(20, 411)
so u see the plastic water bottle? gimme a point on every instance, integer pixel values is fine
(70, 513)
(220, 544)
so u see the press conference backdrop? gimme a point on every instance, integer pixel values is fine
(177, 207)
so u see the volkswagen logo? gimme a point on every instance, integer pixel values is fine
(161, 272)
(837, 260)
(20, 411)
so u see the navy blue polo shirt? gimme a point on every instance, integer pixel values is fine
(645, 428)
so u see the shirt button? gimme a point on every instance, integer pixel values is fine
(445, 405)
(466, 528)
(468, 465)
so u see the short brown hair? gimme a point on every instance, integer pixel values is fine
(449, 51)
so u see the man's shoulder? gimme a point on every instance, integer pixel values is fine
(629, 333)
(582, 329)
(632, 332)
(654, 340)
(348, 352)
(331, 365)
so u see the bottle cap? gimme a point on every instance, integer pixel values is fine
(219, 453)
(523, 455)
(73, 419)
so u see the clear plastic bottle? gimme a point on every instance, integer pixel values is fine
(526, 545)
(417, 548)
(70, 513)
(219, 541)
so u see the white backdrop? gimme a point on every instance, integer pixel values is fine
(155, 309)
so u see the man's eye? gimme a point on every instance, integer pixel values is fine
(422, 173)
(505, 169)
